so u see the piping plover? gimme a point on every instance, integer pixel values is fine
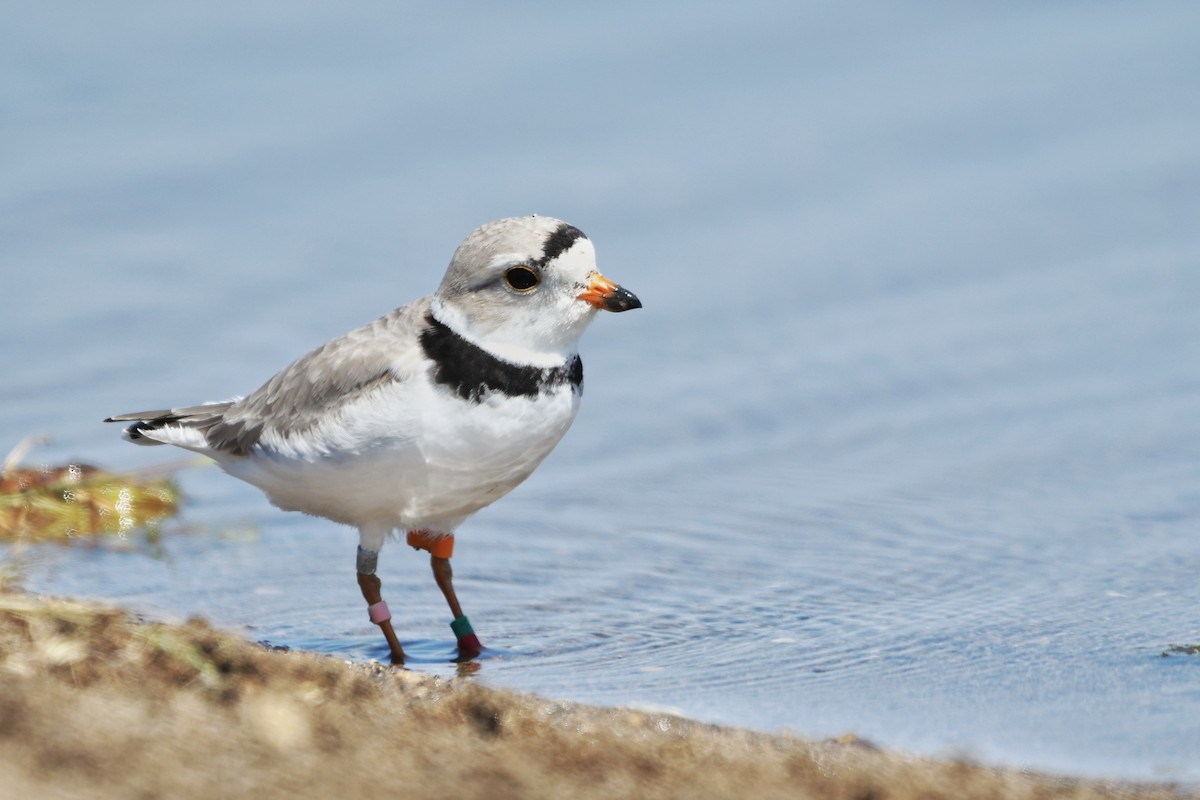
(421, 418)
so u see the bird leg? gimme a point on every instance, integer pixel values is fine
(370, 584)
(468, 642)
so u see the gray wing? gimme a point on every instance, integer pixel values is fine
(305, 391)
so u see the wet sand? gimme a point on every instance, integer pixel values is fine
(95, 703)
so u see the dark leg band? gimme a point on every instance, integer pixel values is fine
(367, 560)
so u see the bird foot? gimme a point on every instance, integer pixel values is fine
(378, 612)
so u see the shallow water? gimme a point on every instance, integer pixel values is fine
(906, 440)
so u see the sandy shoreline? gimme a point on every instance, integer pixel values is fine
(94, 703)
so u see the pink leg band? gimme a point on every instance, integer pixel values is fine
(379, 612)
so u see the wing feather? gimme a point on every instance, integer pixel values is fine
(300, 395)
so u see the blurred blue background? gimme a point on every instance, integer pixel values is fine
(906, 440)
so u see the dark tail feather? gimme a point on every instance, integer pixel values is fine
(200, 416)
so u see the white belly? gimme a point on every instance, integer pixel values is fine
(410, 456)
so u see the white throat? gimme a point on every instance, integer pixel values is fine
(497, 343)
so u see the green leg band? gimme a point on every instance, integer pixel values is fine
(468, 642)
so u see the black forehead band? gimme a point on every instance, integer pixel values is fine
(558, 243)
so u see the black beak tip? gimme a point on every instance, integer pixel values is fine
(621, 300)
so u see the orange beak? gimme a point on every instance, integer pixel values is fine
(604, 294)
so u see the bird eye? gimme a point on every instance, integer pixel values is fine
(521, 279)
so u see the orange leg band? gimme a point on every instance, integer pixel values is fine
(441, 546)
